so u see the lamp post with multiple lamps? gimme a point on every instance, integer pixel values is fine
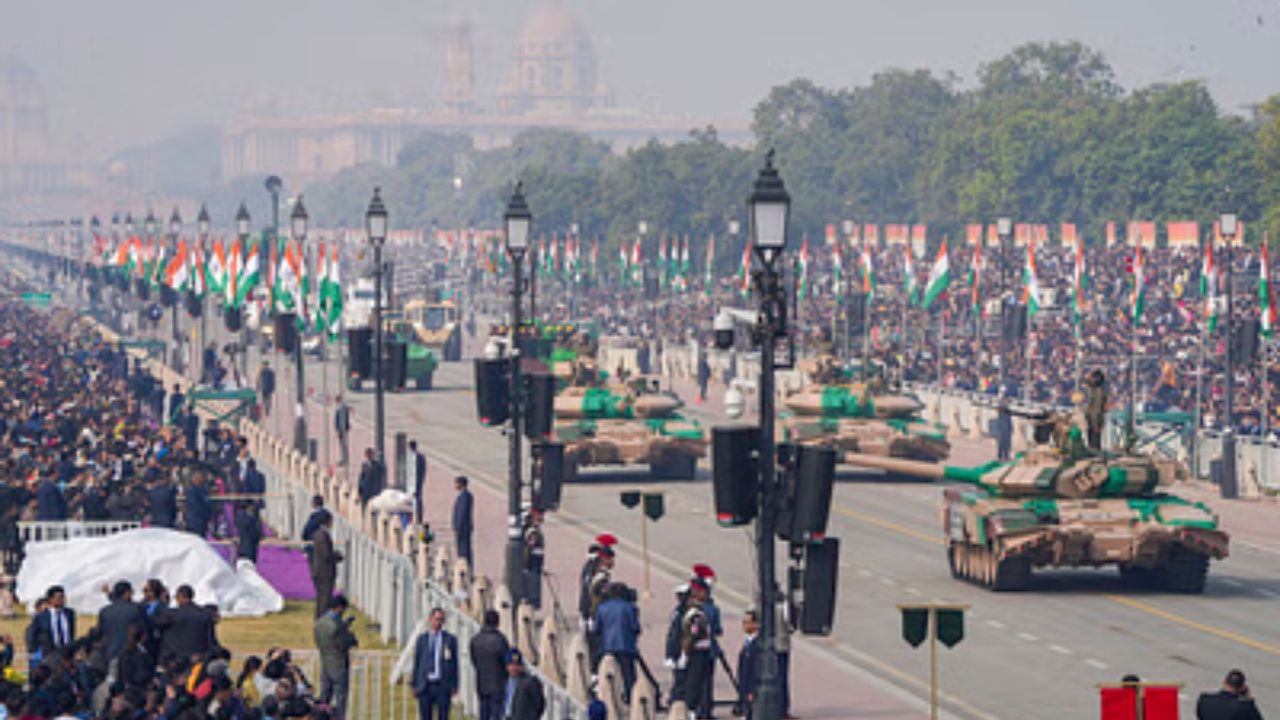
(1228, 226)
(376, 228)
(1004, 229)
(298, 230)
(175, 231)
(243, 223)
(202, 228)
(768, 208)
(516, 224)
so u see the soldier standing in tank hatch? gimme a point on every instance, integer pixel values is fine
(1095, 411)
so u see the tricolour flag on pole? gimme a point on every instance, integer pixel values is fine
(744, 271)
(975, 277)
(177, 272)
(1266, 303)
(868, 271)
(248, 274)
(837, 268)
(803, 269)
(1079, 281)
(1209, 288)
(1031, 282)
(939, 276)
(910, 283)
(709, 269)
(1139, 298)
(216, 269)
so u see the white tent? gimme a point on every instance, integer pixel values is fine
(84, 565)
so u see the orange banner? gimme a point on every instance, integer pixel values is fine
(973, 233)
(1069, 234)
(1183, 234)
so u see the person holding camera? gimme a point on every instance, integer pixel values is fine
(335, 640)
(1232, 702)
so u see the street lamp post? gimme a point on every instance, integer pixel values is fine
(376, 227)
(1004, 228)
(175, 231)
(1228, 227)
(243, 224)
(298, 230)
(768, 208)
(202, 227)
(516, 223)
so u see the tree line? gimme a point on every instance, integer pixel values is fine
(1046, 135)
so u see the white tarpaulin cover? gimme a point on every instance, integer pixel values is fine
(83, 565)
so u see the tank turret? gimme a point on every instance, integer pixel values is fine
(613, 403)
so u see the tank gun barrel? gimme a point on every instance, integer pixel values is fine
(924, 470)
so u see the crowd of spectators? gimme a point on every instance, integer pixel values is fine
(944, 345)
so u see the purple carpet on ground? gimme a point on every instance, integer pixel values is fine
(285, 568)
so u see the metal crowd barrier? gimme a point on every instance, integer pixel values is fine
(42, 530)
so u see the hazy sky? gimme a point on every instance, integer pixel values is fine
(129, 71)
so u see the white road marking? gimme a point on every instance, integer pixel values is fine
(1096, 664)
(1028, 637)
(996, 624)
(864, 572)
(1060, 650)
(1267, 593)
(912, 591)
(1256, 546)
(1232, 582)
(888, 581)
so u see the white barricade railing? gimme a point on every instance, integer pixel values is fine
(42, 530)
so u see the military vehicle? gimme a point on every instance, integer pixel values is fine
(436, 325)
(419, 362)
(858, 418)
(1061, 505)
(627, 424)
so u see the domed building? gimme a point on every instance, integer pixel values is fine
(28, 160)
(555, 69)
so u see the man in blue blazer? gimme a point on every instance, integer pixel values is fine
(54, 627)
(435, 669)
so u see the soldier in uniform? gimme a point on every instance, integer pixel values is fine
(697, 640)
(596, 576)
(674, 657)
(1095, 411)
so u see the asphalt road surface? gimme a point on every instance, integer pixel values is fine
(1032, 654)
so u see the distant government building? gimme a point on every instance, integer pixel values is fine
(30, 167)
(553, 83)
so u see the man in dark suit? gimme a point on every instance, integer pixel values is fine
(196, 506)
(117, 617)
(435, 669)
(419, 479)
(55, 626)
(266, 387)
(176, 400)
(1232, 702)
(248, 532)
(463, 519)
(748, 663)
(523, 697)
(488, 657)
(162, 503)
(342, 426)
(1003, 432)
(370, 482)
(253, 482)
(324, 563)
(187, 630)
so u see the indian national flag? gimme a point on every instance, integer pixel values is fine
(288, 280)
(248, 274)
(1031, 282)
(910, 283)
(333, 305)
(975, 278)
(1209, 288)
(939, 276)
(1079, 280)
(1139, 285)
(216, 268)
(744, 271)
(868, 272)
(1266, 303)
(177, 273)
(637, 261)
(199, 282)
(803, 269)
(837, 268)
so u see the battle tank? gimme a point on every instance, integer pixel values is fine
(627, 424)
(1061, 505)
(859, 418)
